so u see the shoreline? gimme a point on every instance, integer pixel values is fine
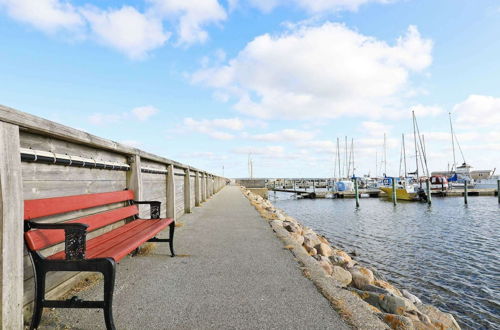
(362, 299)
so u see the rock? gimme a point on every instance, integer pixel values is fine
(298, 238)
(439, 319)
(389, 287)
(276, 222)
(313, 252)
(387, 302)
(361, 277)
(324, 249)
(341, 275)
(397, 322)
(337, 260)
(342, 254)
(280, 216)
(376, 289)
(291, 227)
(414, 299)
(310, 241)
(323, 240)
(326, 265)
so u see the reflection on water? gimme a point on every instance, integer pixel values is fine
(446, 254)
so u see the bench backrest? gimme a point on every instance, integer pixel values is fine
(38, 239)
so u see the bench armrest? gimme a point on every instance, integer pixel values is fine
(155, 207)
(75, 237)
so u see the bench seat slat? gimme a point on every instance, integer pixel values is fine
(41, 238)
(118, 243)
(37, 208)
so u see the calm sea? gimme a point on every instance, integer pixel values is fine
(447, 254)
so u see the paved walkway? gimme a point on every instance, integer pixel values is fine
(232, 273)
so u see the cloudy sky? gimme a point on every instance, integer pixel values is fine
(208, 82)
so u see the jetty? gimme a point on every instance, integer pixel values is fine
(220, 279)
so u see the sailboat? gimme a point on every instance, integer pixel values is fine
(408, 188)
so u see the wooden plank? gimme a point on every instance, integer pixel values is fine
(187, 191)
(197, 189)
(47, 143)
(50, 172)
(171, 193)
(45, 189)
(192, 191)
(11, 230)
(179, 195)
(37, 208)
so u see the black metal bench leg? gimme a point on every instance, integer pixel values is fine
(109, 285)
(39, 275)
(171, 238)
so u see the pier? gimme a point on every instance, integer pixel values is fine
(220, 280)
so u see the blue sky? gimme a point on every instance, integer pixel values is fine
(208, 82)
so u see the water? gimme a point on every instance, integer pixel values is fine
(446, 254)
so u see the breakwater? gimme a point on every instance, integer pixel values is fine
(344, 279)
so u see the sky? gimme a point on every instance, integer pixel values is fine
(211, 83)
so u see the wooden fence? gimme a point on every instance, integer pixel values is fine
(40, 159)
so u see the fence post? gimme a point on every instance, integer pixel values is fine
(134, 177)
(170, 192)
(207, 190)
(197, 199)
(394, 194)
(187, 191)
(203, 188)
(11, 228)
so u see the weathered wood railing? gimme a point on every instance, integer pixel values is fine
(58, 160)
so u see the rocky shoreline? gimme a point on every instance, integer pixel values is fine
(361, 298)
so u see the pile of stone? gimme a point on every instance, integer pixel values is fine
(399, 309)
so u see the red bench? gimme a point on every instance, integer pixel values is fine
(98, 254)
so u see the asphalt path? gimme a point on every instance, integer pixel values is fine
(231, 272)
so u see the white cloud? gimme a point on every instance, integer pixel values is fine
(319, 145)
(127, 30)
(312, 6)
(427, 111)
(46, 15)
(285, 135)
(211, 127)
(140, 113)
(143, 113)
(191, 16)
(267, 151)
(374, 128)
(478, 111)
(330, 71)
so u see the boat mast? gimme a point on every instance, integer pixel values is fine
(352, 152)
(376, 164)
(454, 165)
(415, 140)
(338, 157)
(385, 156)
(404, 153)
(345, 160)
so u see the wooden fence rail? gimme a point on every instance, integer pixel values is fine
(178, 186)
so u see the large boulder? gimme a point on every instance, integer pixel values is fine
(324, 249)
(439, 319)
(387, 302)
(341, 275)
(310, 241)
(389, 287)
(326, 265)
(414, 299)
(397, 322)
(290, 226)
(342, 254)
(361, 277)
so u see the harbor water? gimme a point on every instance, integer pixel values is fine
(447, 254)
